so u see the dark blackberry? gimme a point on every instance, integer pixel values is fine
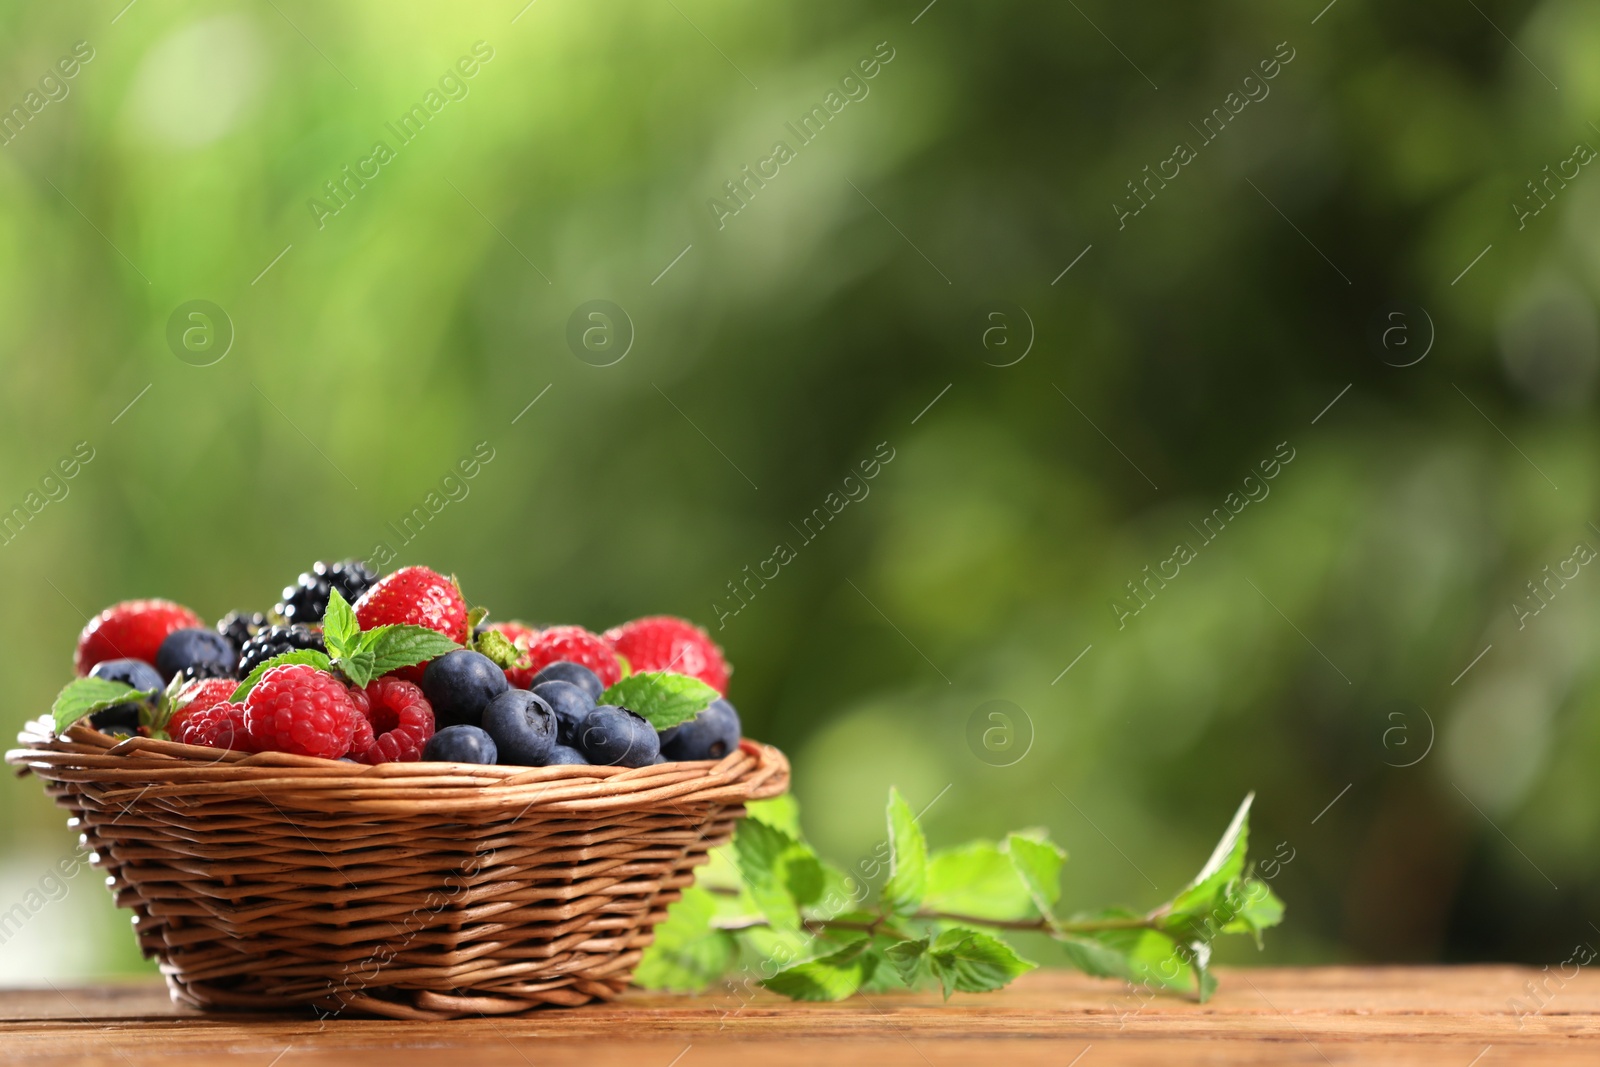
(197, 671)
(240, 626)
(307, 600)
(275, 642)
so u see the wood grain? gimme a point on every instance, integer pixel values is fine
(1433, 1016)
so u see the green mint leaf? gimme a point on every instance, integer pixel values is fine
(974, 962)
(309, 656)
(341, 633)
(1148, 958)
(358, 667)
(1225, 865)
(688, 954)
(781, 812)
(1038, 865)
(498, 647)
(85, 696)
(1254, 907)
(406, 646)
(831, 977)
(781, 873)
(908, 858)
(663, 698)
(910, 960)
(976, 879)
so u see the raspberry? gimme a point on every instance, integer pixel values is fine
(307, 600)
(399, 722)
(519, 634)
(133, 629)
(664, 643)
(198, 696)
(299, 709)
(415, 596)
(575, 645)
(218, 726)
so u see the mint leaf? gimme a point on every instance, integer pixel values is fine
(309, 656)
(1255, 908)
(357, 667)
(85, 696)
(831, 977)
(909, 959)
(341, 633)
(393, 647)
(781, 812)
(908, 858)
(688, 954)
(1038, 865)
(780, 873)
(498, 647)
(1141, 956)
(663, 698)
(1225, 865)
(974, 962)
(976, 879)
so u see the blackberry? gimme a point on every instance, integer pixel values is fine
(275, 641)
(240, 626)
(198, 671)
(307, 600)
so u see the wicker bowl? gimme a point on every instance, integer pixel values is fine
(408, 890)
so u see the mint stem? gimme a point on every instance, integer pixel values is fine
(877, 926)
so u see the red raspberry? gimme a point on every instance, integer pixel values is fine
(519, 634)
(133, 629)
(299, 709)
(415, 596)
(217, 726)
(665, 643)
(198, 696)
(400, 716)
(575, 645)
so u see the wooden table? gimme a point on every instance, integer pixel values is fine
(1457, 1017)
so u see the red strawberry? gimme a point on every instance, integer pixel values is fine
(133, 629)
(297, 708)
(575, 645)
(198, 696)
(665, 643)
(519, 634)
(415, 596)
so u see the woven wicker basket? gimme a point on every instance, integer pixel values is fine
(409, 890)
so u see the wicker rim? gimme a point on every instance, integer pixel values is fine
(156, 769)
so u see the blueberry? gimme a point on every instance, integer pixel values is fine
(134, 672)
(188, 648)
(563, 756)
(460, 685)
(710, 735)
(523, 726)
(617, 737)
(571, 704)
(576, 673)
(460, 744)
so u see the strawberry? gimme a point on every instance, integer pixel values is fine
(133, 629)
(519, 634)
(665, 643)
(575, 645)
(415, 596)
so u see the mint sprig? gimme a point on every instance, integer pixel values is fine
(941, 916)
(85, 696)
(664, 699)
(362, 655)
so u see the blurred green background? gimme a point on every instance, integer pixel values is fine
(1319, 644)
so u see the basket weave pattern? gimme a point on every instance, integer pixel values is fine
(409, 890)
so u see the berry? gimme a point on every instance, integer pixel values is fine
(415, 596)
(199, 672)
(575, 645)
(617, 737)
(219, 726)
(299, 709)
(461, 684)
(133, 629)
(134, 672)
(275, 641)
(564, 756)
(197, 696)
(519, 634)
(400, 722)
(307, 600)
(460, 744)
(710, 735)
(523, 727)
(193, 647)
(577, 674)
(571, 704)
(239, 627)
(665, 643)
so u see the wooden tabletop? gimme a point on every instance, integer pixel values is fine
(1456, 1017)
